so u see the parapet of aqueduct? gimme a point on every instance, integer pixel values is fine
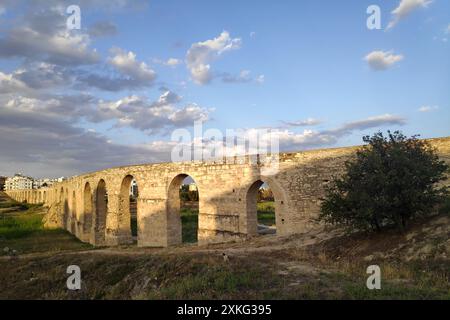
(227, 192)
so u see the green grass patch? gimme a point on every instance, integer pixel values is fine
(18, 226)
(266, 213)
(189, 225)
(23, 230)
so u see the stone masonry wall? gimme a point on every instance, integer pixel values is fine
(223, 189)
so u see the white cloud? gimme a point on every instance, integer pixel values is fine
(382, 60)
(404, 8)
(43, 75)
(302, 123)
(448, 29)
(201, 54)
(242, 77)
(150, 117)
(126, 63)
(370, 122)
(172, 62)
(9, 84)
(261, 79)
(428, 108)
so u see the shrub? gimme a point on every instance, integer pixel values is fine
(390, 181)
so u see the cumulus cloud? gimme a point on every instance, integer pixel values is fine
(201, 54)
(172, 62)
(43, 145)
(130, 73)
(62, 107)
(43, 75)
(9, 84)
(42, 35)
(151, 117)
(287, 140)
(126, 63)
(404, 8)
(63, 48)
(428, 108)
(382, 60)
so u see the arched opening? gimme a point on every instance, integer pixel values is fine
(87, 208)
(261, 218)
(183, 210)
(129, 194)
(101, 208)
(44, 200)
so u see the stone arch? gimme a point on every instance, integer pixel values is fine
(128, 212)
(173, 209)
(87, 209)
(250, 222)
(101, 210)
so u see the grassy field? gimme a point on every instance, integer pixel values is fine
(334, 269)
(21, 229)
(189, 225)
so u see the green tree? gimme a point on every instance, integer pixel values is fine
(390, 181)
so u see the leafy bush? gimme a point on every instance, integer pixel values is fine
(389, 182)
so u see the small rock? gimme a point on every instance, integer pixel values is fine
(225, 257)
(6, 249)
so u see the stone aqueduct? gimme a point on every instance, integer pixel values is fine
(227, 192)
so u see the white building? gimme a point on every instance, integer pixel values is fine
(18, 182)
(43, 183)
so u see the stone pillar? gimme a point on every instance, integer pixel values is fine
(152, 222)
(112, 234)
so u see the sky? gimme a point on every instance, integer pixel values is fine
(113, 91)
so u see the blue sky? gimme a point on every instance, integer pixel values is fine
(310, 69)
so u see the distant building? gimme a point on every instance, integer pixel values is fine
(193, 187)
(2, 183)
(43, 183)
(134, 189)
(19, 181)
